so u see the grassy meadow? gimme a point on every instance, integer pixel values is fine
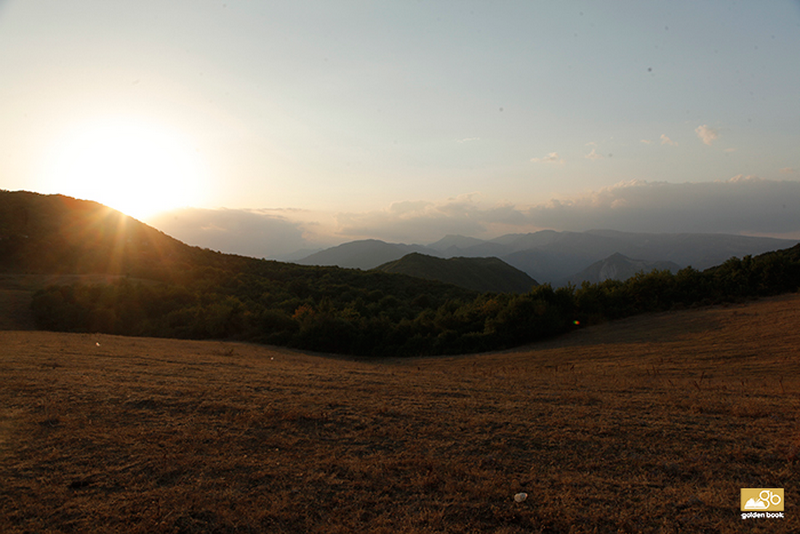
(648, 424)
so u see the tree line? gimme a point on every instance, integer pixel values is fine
(369, 313)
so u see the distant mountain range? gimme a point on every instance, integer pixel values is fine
(557, 258)
(478, 274)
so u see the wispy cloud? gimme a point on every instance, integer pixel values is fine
(647, 141)
(468, 140)
(788, 170)
(667, 141)
(740, 178)
(422, 222)
(552, 157)
(741, 204)
(593, 155)
(707, 134)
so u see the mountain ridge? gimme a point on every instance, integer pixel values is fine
(554, 257)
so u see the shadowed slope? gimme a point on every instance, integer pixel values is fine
(478, 274)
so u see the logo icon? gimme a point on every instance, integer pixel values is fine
(762, 499)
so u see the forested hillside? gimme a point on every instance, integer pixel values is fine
(479, 274)
(169, 289)
(58, 234)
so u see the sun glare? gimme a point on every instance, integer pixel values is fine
(134, 167)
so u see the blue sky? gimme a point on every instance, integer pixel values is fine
(322, 122)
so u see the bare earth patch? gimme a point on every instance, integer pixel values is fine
(651, 424)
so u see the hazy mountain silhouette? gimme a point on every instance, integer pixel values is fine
(618, 267)
(450, 244)
(555, 257)
(297, 256)
(365, 254)
(478, 274)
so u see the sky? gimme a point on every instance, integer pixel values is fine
(262, 127)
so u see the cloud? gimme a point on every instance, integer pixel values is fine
(256, 233)
(552, 157)
(742, 204)
(468, 139)
(593, 155)
(425, 222)
(739, 205)
(740, 178)
(647, 141)
(706, 134)
(788, 170)
(667, 141)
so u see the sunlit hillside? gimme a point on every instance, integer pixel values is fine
(56, 234)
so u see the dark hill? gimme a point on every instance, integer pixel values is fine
(55, 234)
(479, 274)
(86, 267)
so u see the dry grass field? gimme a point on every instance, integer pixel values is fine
(651, 424)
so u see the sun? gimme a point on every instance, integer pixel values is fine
(132, 166)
